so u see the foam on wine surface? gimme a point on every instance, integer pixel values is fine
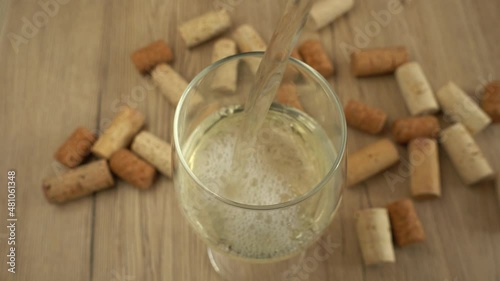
(290, 158)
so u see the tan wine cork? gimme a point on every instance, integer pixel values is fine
(225, 77)
(415, 89)
(205, 27)
(374, 235)
(155, 151)
(364, 117)
(326, 11)
(378, 61)
(406, 129)
(132, 169)
(314, 54)
(465, 154)
(146, 58)
(287, 94)
(491, 100)
(170, 83)
(248, 40)
(425, 179)
(120, 132)
(76, 148)
(461, 108)
(406, 226)
(371, 160)
(78, 182)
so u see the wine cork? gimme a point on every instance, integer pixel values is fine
(416, 90)
(78, 182)
(205, 27)
(314, 54)
(461, 108)
(406, 226)
(132, 169)
(406, 129)
(424, 159)
(371, 160)
(374, 235)
(465, 154)
(171, 83)
(248, 40)
(378, 61)
(76, 148)
(491, 100)
(324, 12)
(287, 94)
(146, 58)
(119, 134)
(364, 117)
(225, 77)
(155, 151)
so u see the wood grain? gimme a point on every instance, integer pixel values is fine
(76, 71)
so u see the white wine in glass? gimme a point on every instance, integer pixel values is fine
(259, 218)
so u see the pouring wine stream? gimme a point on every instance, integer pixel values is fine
(268, 79)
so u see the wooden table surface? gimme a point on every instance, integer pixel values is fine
(75, 70)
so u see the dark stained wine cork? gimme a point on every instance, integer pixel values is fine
(146, 58)
(78, 182)
(364, 117)
(378, 61)
(491, 100)
(406, 129)
(406, 226)
(132, 169)
(76, 148)
(314, 54)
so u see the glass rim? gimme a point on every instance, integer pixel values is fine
(324, 85)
